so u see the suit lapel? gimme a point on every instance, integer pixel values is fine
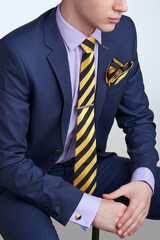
(104, 58)
(59, 63)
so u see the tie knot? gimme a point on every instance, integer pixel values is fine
(88, 44)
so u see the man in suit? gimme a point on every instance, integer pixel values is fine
(39, 78)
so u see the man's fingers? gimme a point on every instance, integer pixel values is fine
(130, 234)
(127, 214)
(132, 217)
(132, 229)
(116, 194)
(131, 224)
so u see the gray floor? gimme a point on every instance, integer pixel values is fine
(149, 231)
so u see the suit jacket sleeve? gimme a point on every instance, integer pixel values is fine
(136, 119)
(17, 174)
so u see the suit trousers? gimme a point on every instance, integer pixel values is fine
(21, 220)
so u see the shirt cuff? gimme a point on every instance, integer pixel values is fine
(144, 174)
(86, 211)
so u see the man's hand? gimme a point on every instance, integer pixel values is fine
(139, 193)
(108, 215)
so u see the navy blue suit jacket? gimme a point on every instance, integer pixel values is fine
(35, 108)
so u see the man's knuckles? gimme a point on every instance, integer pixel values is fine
(130, 211)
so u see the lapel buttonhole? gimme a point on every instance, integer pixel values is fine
(105, 47)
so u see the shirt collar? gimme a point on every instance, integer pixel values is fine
(72, 36)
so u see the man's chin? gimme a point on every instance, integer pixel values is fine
(108, 28)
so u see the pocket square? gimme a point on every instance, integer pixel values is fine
(116, 71)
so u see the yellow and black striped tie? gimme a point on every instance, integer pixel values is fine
(85, 167)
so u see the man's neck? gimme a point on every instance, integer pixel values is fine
(72, 18)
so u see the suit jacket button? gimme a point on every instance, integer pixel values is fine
(57, 152)
(78, 216)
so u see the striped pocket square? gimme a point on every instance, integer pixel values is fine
(116, 71)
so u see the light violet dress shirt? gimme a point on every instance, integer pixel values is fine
(72, 38)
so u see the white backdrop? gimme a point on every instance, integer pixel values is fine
(145, 13)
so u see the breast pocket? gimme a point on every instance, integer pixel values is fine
(118, 86)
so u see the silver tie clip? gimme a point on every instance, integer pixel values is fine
(91, 105)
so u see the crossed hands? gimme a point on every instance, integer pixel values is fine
(117, 218)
